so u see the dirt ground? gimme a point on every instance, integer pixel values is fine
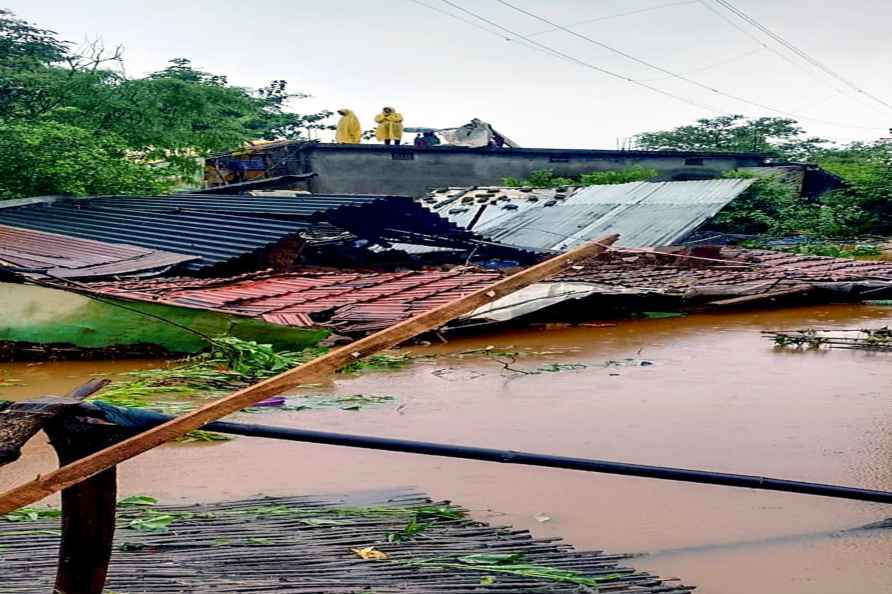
(717, 396)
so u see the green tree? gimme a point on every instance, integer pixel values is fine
(40, 158)
(173, 117)
(778, 137)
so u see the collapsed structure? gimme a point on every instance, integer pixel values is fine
(289, 267)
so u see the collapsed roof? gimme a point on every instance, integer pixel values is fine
(645, 214)
(345, 301)
(70, 257)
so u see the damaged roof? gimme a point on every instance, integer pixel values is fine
(346, 301)
(741, 268)
(397, 218)
(645, 214)
(216, 239)
(71, 257)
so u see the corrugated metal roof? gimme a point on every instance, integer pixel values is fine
(645, 214)
(71, 257)
(744, 268)
(391, 218)
(347, 301)
(217, 238)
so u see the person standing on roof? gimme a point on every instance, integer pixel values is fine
(349, 130)
(390, 126)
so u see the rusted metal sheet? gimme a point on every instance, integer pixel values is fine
(349, 302)
(72, 257)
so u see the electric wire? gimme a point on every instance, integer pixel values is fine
(617, 15)
(799, 52)
(582, 62)
(674, 74)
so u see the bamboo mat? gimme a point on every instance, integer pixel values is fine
(302, 545)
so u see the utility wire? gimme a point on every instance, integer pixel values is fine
(709, 66)
(673, 74)
(799, 52)
(581, 62)
(617, 15)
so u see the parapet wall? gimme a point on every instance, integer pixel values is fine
(405, 170)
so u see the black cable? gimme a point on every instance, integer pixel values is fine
(799, 52)
(141, 419)
(581, 62)
(674, 74)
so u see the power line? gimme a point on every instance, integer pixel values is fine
(799, 52)
(581, 62)
(710, 66)
(617, 15)
(670, 73)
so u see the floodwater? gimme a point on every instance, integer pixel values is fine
(717, 396)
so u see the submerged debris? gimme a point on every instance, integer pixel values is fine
(868, 339)
(232, 363)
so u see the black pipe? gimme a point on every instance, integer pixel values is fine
(141, 419)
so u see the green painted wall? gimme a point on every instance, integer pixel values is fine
(49, 316)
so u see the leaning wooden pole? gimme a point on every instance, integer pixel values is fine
(79, 470)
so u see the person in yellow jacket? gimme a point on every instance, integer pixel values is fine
(349, 130)
(390, 126)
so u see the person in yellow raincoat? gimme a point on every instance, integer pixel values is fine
(390, 126)
(349, 130)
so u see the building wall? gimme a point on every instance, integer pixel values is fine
(378, 169)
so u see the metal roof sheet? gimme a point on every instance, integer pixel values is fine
(625, 272)
(347, 301)
(217, 238)
(392, 218)
(71, 257)
(645, 214)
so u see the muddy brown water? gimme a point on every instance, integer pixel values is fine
(717, 397)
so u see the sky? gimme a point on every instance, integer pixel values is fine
(541, 84)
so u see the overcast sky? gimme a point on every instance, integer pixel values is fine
(441, 71)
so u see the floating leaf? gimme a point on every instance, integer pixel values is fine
(260, 541)
(487, 580)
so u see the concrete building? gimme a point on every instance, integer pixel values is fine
(410, 171)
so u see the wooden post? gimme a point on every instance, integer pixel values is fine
(88, 508)
(73, 473)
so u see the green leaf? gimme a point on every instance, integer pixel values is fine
(154, 523)
(137, 500)
(30, 514)
(260, 541)
(487, 580)
(491, 558)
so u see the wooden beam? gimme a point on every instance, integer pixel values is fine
(75, 472)
(763, 296)
(20, 421)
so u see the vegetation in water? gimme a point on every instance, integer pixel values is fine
(546, 178)
(230, 364)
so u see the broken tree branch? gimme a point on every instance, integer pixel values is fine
(82, 469)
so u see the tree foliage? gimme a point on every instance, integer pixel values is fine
(777, 137)
(546, 178)
(80, 98)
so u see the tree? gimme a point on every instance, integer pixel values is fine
(175, 116)
(41, 158)
(777, 137)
